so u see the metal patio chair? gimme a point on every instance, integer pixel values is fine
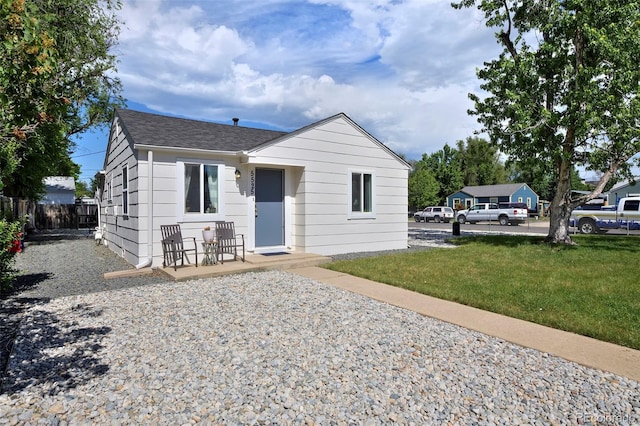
(173, 246)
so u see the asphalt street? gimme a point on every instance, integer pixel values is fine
(532, 226)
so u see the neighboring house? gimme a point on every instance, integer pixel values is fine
(59, 190)
(326, 188)
(503, 193)
(623, 189)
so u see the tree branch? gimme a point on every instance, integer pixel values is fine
(505, 37)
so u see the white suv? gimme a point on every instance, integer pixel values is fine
(437, 214)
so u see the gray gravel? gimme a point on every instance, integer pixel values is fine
(57, 264)
(277, 348)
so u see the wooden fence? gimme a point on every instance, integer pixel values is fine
(50, 216)
(57, 216)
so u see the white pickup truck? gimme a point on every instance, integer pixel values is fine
(625, 215)
(492, 212)
(436, 214)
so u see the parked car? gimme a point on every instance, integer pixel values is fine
(436, 213)
(492, 212)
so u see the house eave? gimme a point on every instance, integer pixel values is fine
(144, 147)
(261, 160)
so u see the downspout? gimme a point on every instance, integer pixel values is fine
(97, 196)
(149, 260)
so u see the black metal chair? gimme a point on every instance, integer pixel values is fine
(173, 246)
(228, 241)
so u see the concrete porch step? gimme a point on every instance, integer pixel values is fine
(254, 263)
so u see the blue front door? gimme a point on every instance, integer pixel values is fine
(269, 207)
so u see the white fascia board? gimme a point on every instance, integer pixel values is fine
(156, 148)
(258, 160)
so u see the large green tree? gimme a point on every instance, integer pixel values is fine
(447, 170)
(480, 162)
(422, 186)
(56, 80)
(564, 91)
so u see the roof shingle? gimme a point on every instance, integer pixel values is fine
(492, 190)
(172, 132)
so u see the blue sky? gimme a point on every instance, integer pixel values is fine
(401, 69)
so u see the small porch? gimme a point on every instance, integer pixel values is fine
(253, 263)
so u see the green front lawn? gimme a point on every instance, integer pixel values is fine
(591, 289)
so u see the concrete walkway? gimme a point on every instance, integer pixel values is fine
(573, 347)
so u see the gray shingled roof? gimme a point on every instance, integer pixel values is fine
(172, 132)
(492, 190)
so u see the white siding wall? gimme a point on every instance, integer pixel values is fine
(320, 222)
(165, 201)
(122, 231)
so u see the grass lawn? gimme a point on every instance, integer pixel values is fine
(591, 289)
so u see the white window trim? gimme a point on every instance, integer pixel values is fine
(199, 217)
(361, 215)
(125, 206)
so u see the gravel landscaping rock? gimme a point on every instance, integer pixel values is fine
(276, 348)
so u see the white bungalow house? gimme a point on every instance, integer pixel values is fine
(327, 188)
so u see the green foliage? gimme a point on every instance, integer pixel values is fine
(423, 188)
(447, 170)
(56, 80)
(9, 232)
(565, 91)
(589, 289)
(533, 173)
(82, 189)
(480, 162)
(444, 172)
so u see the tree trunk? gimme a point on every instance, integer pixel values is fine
(561, 208)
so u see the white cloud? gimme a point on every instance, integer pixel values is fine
(400, 69)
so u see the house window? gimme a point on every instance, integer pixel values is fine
(125, 190)
(361, 195)
(109, 191)
(529, 203)
(201, 190)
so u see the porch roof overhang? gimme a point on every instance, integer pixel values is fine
(246, 158)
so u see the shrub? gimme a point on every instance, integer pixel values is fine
(9, 232)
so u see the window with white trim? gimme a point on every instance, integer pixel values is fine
(109, 189)
(125, 190)
(361, 194)
(199, 190)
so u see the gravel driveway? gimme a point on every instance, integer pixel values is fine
(266, 348)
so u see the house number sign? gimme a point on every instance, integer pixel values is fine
(253, 182)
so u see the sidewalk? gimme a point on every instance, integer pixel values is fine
(573, 347)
